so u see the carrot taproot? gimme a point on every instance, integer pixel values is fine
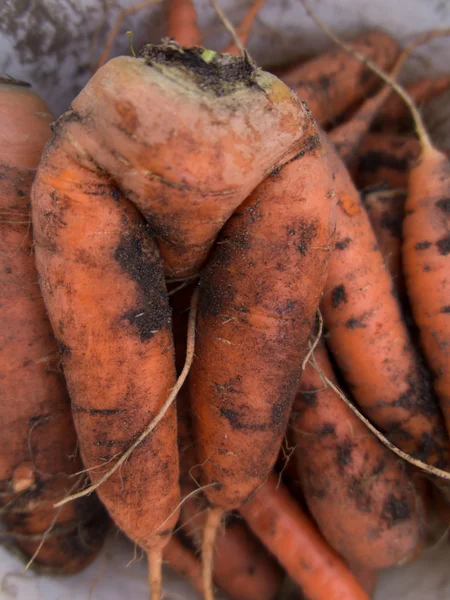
(182, 560)
(368, 337)
(258, 297)
(357, 491)
(395, 113)
(103, 284)
(333, 82)
(385, 207)
(290, 535)
(38, 446)
(242, 567)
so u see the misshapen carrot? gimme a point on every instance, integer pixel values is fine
(193, 94)
(335, 81)
(358, 492)
(38, 445)
(385, 207)
(368, 337)
(290, 535)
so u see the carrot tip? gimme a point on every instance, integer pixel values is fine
(155, 573)
(212, 525)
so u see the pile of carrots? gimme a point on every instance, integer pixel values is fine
(224, 317)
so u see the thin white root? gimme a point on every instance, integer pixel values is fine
(158, 418)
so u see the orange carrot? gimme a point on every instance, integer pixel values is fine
(287, 532)
(335, 81)
(258, 297)
(385, 207)
(426, 246)
(38, 457)
(182, 23)
(368, 337)
(358, 492)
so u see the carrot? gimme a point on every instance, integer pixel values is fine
(368, 337)
(287, 532)
(242, 567)
(38, 458)
(182, 23)
(385, 207)
(333, 82)
(395, 112)
(258, 297)
(183, 561)
(357, 491)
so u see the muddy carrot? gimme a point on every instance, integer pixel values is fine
(38, 445)
(357, 491)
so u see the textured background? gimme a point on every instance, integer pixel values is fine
(53, 43)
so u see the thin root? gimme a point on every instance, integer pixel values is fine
(212, 524)
(430, 469)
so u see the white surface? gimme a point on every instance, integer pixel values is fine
(49, 43)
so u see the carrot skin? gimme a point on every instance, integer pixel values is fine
(335, 81)
(385, 207)
(425, 262)
(369, 339)
(258, 298)
(38, 457)
(387, 158)
(358, 492)
(287, 532)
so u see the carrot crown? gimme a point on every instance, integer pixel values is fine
(221, 74)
